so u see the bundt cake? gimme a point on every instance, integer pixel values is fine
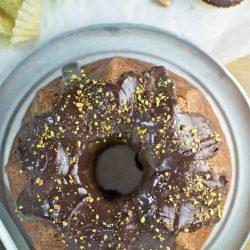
(176, 139)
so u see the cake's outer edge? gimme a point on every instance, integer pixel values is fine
(43, 235)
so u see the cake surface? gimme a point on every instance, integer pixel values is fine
(189, 100)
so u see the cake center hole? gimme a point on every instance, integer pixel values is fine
(118, 171)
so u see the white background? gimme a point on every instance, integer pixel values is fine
(224, 33)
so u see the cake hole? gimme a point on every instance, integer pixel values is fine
(118, 171)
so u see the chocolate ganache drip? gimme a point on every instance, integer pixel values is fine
(178, 192)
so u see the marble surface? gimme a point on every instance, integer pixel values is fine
(224, 33)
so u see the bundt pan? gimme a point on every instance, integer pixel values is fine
(211, 83)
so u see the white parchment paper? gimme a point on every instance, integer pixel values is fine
(224, 33)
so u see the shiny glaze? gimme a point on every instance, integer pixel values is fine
(178, 191)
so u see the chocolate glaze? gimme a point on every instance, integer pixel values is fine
(178, 190)
(223, 3)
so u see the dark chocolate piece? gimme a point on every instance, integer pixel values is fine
(223, 3)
